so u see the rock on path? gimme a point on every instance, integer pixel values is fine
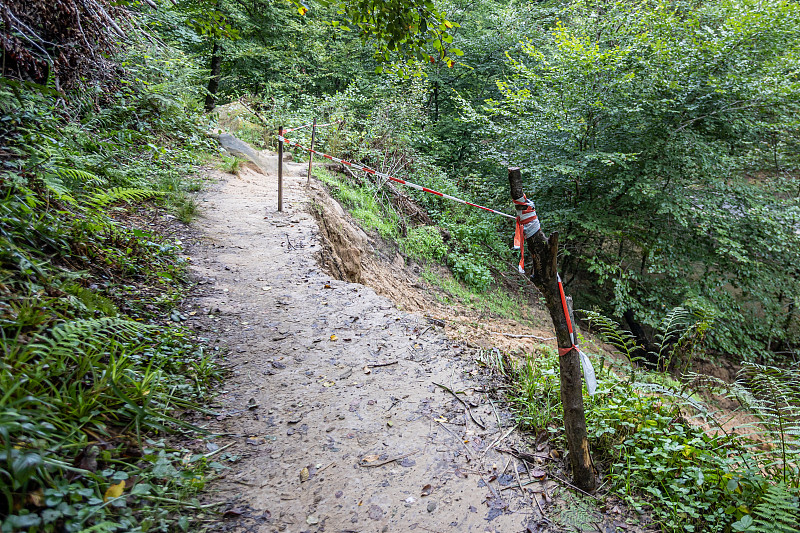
(331, 440)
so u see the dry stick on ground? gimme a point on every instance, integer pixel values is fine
(532, 496)
(524, 456)
(377, 365)
(462, 403)
(513, 336)
(499, 440)
(386, 462)
(544, 255)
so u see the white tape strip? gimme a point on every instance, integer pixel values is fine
(588, 373)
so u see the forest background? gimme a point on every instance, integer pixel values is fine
(659, 138)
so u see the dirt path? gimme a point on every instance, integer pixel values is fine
(332, 404)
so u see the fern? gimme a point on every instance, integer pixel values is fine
(774, 397)
(778, 512)
(80, 178)
(679, 331)
(89, 300)
(79, 336)
(121, 194)
(612, 333)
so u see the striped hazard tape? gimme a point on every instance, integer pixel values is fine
(392, 178)
(527, 224)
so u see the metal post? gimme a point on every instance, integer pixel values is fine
(311, 153)
(280, 170)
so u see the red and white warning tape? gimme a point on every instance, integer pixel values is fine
(309, 125)
(588, 370)
(527, 224)
(392, 178)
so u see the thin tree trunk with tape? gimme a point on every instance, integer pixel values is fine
(544, 252)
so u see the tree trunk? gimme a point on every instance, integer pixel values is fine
(544, 252)
(213, 81)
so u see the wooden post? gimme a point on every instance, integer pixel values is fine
(310, 153)
(544, 252)
(280, 170)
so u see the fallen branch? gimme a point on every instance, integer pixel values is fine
(570, 485)
(393, 459)
(469, 452)
(513, 336)
(524, 456)
(377, 365)
(499, 440)
(462, 403)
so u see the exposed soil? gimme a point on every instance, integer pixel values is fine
(336, 405)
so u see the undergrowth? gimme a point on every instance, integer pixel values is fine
(649, 445)
(91, 378)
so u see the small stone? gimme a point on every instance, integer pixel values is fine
(431, 506)
(312, 520)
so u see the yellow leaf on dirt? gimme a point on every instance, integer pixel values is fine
(334, 337)
(371, 458)
(114, 491)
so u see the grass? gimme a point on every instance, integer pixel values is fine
(232, 164)
(362, 202)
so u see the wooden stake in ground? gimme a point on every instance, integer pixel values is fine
(544, 252)
(311, 151)
(280, 170)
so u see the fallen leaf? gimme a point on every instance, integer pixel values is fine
(390, 423)
(304, 475)
(256, 441)
(232, 512)
(328, 384)
(36, 498)
(334, 337)
(114, 491)
(371, 458)
(427, 489)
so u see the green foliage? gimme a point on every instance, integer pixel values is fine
(657, 459)
(363, 204)
(773, 395)
(778, 512)
(232, 164)
(654, 110)
(113, 195)
(612, 333)
(79, 365)
(402, 30)
(424, 243)
(469, 269)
